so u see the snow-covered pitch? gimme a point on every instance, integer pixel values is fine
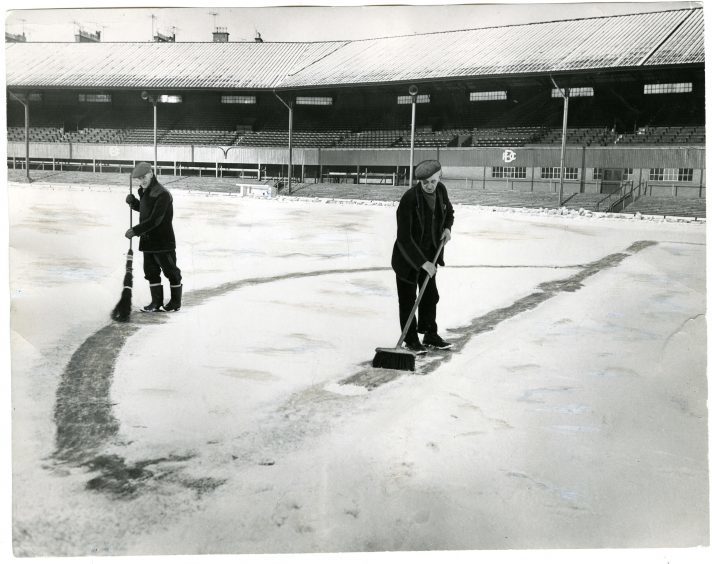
(571, 413)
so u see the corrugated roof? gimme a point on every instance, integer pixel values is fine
(685, 45)
(158, 65)
(656, 38)
(568, 45)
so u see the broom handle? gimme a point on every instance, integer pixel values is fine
(419, 298)
(130, 212)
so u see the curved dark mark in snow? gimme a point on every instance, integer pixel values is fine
(83, 410)
(120, 480)
(372, 377)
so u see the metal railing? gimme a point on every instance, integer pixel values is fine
(616, 201)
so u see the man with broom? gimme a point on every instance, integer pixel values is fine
(424, 217)
(157, 240)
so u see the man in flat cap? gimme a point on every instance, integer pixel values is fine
(157, 240)
(425, 217)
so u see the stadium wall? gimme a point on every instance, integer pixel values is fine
(470, 167)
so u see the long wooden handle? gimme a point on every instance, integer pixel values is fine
(130, 211)
(419, 298)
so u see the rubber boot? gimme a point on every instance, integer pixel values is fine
(176, 294)
(156, 299)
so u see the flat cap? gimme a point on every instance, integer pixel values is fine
(426, 169)
(141, 169)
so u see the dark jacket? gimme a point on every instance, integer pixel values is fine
(408, 250)
(155, 225)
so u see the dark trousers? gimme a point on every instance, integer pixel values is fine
(154, 263)
(424, 322)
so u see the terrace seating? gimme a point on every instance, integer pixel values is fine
(95, 135)
(670, 206)
(374, 138)
(505, 136)
(280, 138)
(664, 135)
(587, 201)
(37, 134)
(580, 136)
(198, 137)
(429, 139)
(509, 198)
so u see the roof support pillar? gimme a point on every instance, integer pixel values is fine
(26, 104)
(290, 106)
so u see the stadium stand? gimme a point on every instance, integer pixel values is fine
(351, 112)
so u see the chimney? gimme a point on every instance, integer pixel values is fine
(15, 37)
(85, 37)
(220, 35)
(164, 38)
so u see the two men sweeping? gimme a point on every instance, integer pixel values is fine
(424, 221)
(157, 240)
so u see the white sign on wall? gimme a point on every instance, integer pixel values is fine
(508, 156)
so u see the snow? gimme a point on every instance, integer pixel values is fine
(572, 415)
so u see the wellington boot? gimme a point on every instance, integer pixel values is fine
(156, 299)
(176, 295)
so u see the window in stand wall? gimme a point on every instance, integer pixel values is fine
(671, 88)
(315, 101)
(671, 174)
(95, 98)
(555, 173)
(487, 96)
(231, 99)
(419, 99)
(576, 92)
(626, 175)
(509, 172)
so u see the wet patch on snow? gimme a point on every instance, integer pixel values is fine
(522, 367)
(50, 219)
(83, 411)
(344, 390)
(566, 495)
(121, 480)
(48, 274)
(575, 428)
(247, 374)
(537, 395)
(570, 409)
(202, 486)
(615, 372)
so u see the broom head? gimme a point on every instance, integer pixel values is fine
(122, 311)
(395, 359)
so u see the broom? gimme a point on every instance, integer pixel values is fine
(399, 358)
(122, 311)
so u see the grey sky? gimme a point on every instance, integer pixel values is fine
(295, 23)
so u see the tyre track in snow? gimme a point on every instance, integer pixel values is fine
(86, 426)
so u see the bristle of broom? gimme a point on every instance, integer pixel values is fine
(122, 311)
(394, 359)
